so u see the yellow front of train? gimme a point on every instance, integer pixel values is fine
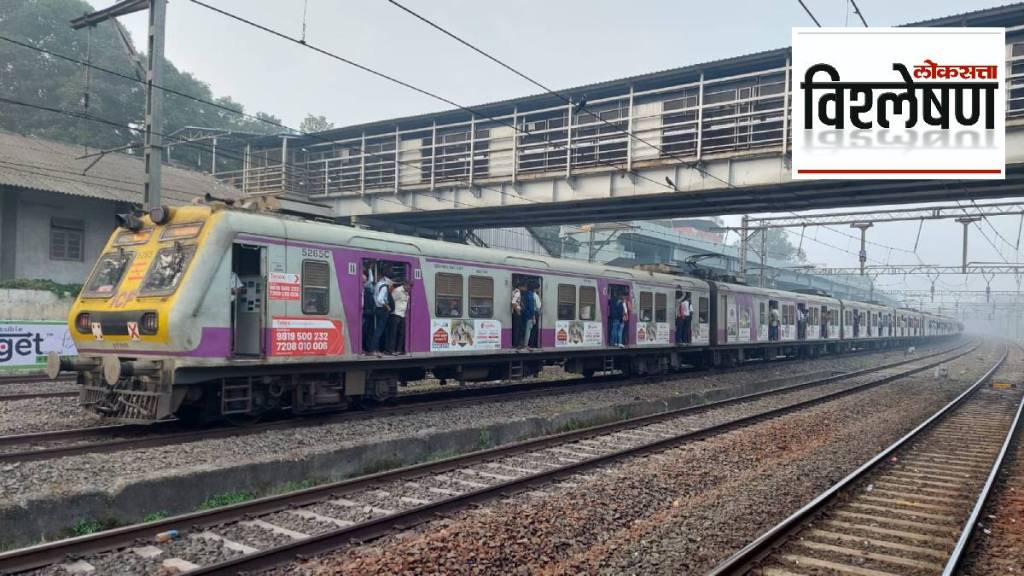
(121, 320)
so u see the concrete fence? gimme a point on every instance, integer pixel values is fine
(16, 304)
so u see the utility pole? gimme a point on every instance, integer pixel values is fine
(744, 230)
(764, 252)
(154, 78)
(863, 254)
(966, 221)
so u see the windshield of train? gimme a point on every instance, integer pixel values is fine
(166, 271)
(108, 273)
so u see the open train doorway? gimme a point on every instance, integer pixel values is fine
(618, 318)
(527, 328)
(383, 329)
(248, 292)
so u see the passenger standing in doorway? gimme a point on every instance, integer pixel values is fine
(687, 319)
(624, 306)
(773, 323)
(381, 311)
(367, 311)
(529, 315)
(396, 322)
(537, 311)
(680, 315)
(517, 314)
(801, 324)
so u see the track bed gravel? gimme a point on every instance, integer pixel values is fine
(109, 471)
(677, 512)
(998, 544)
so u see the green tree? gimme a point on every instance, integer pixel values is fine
(779, 246)
(312, 124)
(28, 75)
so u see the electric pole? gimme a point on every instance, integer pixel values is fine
(153, 143)
(863, 254)
(966, 221)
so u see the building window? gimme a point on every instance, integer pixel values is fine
(566, 302)
(448, 295)
(316, 287)
(481, 297)
(588, 302)
(67, 239)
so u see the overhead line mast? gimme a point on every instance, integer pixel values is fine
(153, 144)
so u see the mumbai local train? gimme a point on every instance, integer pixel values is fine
(213, 311)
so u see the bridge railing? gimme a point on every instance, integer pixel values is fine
(743, 114)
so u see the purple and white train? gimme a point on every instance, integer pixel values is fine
(210, 311)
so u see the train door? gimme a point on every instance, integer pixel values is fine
(530, 284)
(774, 320)
(614, 292)
(701, 327)
(248, 288)
(762, 321)
(381, 332)
(824, 326)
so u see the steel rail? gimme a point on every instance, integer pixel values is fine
(972, 521)
(48, 553)
(377, 527)
(748, 556)
(31, 395)
(417, 402)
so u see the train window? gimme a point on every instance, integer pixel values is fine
(481, 297)
(316, 287)
(588, 302)
(167, 269)
(108, 273)
(448, 295)
(646, 306)
(703, 309)
(566, 302)
(762, 319)
(660, 307)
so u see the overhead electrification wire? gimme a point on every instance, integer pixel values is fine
(809, 13)
(856, 10)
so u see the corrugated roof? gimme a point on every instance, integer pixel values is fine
(40, 164)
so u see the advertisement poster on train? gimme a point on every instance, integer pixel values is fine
(457, 334)
(744, 324)
(283, 286)
(303, 336)
(569, 333)
(26, 344)
(652, 333)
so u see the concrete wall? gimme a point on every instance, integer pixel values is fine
(25, 244)
(33, 305)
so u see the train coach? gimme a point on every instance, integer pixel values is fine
(211, 311)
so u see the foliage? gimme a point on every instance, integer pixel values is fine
(27, 75)
(226, 499)
(154, 516)
(83, 527)
(779, 246)
(61, 290)
(312, 124)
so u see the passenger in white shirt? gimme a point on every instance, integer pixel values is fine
(396, 322)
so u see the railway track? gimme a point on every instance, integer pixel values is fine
(276, 529)
(909, 510)
(74, 442)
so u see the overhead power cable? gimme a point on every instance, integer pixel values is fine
(809, 13)
(856, 10)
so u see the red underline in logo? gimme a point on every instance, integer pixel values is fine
(899, 171)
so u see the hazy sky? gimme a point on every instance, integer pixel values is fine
(561, 43)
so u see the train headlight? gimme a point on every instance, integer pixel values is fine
(83, 323)
(149, 324)
(160, 215)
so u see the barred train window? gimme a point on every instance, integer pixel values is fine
(660, 307)
(481, 297)
(316, 287)
(646, 306)
(566, 302)
(448, 295)
(703, 309)
(67, 237)
(588, 302)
